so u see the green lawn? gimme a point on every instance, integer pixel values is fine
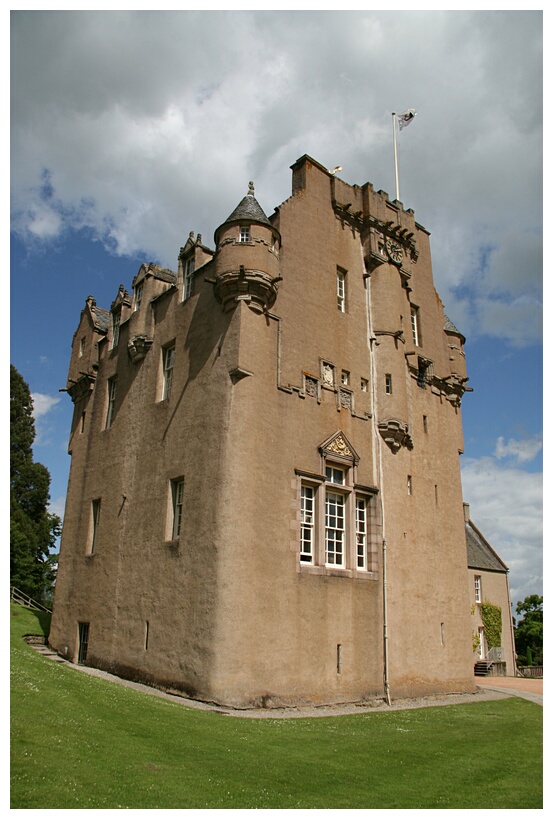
(82, 742)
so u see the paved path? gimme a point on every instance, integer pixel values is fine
(486, 692)
(526, 687)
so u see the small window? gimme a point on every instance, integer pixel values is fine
(83, 416)
(244, 233)
(341, 290)
(415, 325)
(168, 365)
(94, 524)
(177, 491)
(81, 347)
(138, 292)
(335, 475)
(477, 588)
(188, 284)
(425, 423)
(345, 378)
(436, 493)
(388, 384)
(112, 388)
(409, 485)
(364, 385)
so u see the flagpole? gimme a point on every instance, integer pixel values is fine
(395, 156)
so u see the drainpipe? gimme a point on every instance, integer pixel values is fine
(378, 448)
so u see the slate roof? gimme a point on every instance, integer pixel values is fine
(480, 554)
(249, 209)
(449, 327)
(162, 273)
(102, 318)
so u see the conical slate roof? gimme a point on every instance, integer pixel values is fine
(449, 327)
(249, 209)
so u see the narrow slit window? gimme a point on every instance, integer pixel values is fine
(168, 365)
(341, 290)
(307, 549)
(177, 489)
(188, 284)
(112, 389)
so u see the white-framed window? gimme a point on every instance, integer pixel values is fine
(341, 289)
(361, 531)
(244, 235)
(115, 325)
(345, 378)
(188, 282)
(388, 383)
(307, 537)
(177, 492)
(481, 643)
(112, 389)
(477, 588)
(168, 366)
(335, 474)
(335, 530)
(415, 326)
(138, 293)
(94, 524)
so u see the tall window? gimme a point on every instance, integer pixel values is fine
(177, 490)
(334, 529)
(138, 292)
(94, 524)
(477, 588)
(112, 387)
(188, 283)
(388, 384)
(415, 326)
(81, 347)
(168, 365)
(244, 233)
(341, 289)
(361, 532)
(307, 552)
(115, 324)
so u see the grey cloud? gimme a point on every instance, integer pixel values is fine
(153, 123)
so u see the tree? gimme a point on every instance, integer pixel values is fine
(33, 529)
(529, 631)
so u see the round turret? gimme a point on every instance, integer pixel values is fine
(247, 257)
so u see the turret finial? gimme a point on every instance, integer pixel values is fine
(250, 189)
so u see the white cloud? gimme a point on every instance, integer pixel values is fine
(43, 404)
(57, 506)
(506, 504)
(522, 451)
(148, 125)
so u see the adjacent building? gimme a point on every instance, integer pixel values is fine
(264, 504)
(489, 586)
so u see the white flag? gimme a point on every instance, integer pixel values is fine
(405, 118)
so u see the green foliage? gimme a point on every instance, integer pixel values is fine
(82, 742)
(529, 631)
(33, 529)
(491, 620)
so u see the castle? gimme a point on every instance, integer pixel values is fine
(264, 504)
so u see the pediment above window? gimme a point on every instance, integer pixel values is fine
(337, 447)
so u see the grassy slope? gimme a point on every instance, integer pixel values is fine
(81, 742)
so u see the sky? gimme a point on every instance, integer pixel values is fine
(129, 129)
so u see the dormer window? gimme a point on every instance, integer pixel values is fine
(115, 323)
(188, 282)
(138, 292)
(244, 233)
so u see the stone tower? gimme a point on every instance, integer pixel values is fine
(265, 501)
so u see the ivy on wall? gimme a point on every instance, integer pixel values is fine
(491, 619)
